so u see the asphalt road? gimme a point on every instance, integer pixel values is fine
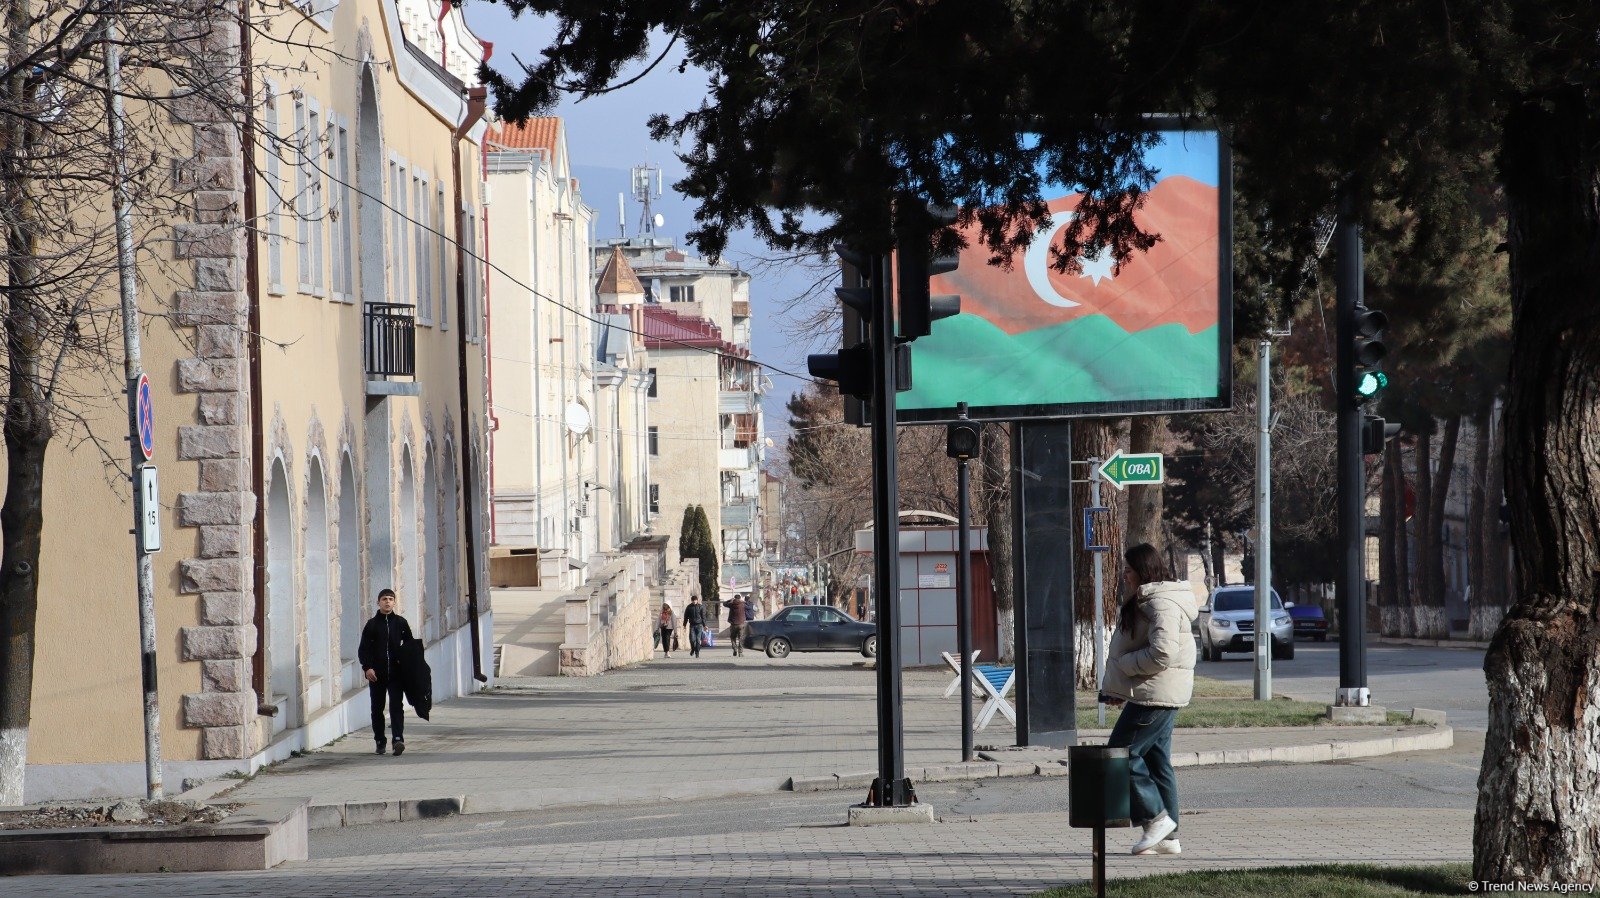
(1449, 680)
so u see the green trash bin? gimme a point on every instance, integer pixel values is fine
(1097, 787)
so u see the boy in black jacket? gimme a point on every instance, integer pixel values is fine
(381, 641)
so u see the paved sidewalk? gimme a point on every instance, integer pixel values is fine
(669, 729)
(994, 855)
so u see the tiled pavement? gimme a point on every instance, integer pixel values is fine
(668, 729)
(1003, 854)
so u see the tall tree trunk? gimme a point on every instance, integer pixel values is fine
(27, 427)
(1145, 504)
(1219, 556)
(1389, 514)
(995, 496)
(1095, 438)
(1404, 586)
(1422, 595)
(1496, 548)
(1478, 524)
(1538, 816)
(1434, 622)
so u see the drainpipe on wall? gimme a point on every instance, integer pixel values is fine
(258, 429)
(476, 101)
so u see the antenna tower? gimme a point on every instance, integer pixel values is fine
(647, 188)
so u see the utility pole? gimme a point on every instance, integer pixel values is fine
(1349, 586)
(1263, 572)
(146, 504)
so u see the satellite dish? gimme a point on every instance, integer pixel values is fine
(660, 219)
(577, 419)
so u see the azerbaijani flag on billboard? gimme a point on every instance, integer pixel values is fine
(1154, 336)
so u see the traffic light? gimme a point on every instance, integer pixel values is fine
(1375, 432)
(851, 366)
(961, 439)
(915, 264)
(1368, 350)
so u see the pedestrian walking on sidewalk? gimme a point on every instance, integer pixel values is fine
(695, 617)
(666, 625)
(736, 620)
(383, 640)
(1150, 671)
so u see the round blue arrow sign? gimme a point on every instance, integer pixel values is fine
(144, 411)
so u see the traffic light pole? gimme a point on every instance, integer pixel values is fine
(964, 598)
(1350, 584)
(891, 788)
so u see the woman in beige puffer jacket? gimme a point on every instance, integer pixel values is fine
(1150, 671)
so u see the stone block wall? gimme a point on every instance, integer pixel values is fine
(608, 624)
(215, 315)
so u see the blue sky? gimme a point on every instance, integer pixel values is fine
(608, 135)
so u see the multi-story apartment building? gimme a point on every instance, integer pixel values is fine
(567, 382)
(317, 375)
(705, 425)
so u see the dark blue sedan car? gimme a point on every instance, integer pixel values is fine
(811, 628)
(1309, 621)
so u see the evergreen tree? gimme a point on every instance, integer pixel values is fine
(706, 551)
(688, 544)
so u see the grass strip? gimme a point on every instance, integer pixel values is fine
(1316, 881)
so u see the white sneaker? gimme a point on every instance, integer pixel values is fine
(1165, 846)
(1155, 832)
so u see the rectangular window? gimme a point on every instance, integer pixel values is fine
(655, 498)
(655, 437)
(682, 294)
(394, 229)
(336, 206)
(474, 322)
(402, 243)
(419, 227)
(443, 250)
(650, 390)
(302, 198)
(347, 219)
(274, 193)
(313, 155)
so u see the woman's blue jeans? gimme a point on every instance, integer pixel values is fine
(1146, 733)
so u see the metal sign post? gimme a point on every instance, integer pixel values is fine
(1099, 552)
(141, 419)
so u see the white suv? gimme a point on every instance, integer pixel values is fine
(1227, 623)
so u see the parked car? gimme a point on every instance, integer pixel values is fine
(1308, 621)
(1227, 623)
(811, 628)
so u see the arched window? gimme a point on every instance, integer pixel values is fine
(351, 614)
(283, 657)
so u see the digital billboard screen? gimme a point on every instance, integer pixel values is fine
(1149, 337)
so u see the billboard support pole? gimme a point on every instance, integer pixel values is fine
(1019, 584)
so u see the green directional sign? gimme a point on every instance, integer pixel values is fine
(1145, 468)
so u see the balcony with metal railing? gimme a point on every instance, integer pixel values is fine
(390, 336)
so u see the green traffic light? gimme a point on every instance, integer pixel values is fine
(1371, 383)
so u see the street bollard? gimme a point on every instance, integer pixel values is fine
(1097, 797)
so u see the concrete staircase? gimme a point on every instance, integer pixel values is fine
(529, 625)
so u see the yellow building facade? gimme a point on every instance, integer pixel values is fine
(315, 341)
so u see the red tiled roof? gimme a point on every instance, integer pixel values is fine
(534, 134)
(666, 329)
